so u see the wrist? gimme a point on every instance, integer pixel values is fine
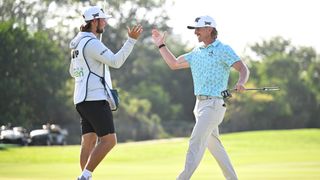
(132, 40)
(161, 45)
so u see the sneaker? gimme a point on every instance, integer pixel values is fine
(83, 178)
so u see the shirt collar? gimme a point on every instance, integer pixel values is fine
(214, 44)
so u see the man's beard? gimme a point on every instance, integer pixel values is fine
(100, 30)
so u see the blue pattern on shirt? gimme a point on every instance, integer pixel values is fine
(210, 67)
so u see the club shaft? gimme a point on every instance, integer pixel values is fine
(261, 89)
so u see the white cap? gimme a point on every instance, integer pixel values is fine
(203, 21)
(94, 12)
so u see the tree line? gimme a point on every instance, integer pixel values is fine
(155, 101)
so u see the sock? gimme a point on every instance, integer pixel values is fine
(86, 173)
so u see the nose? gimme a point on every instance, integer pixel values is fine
(105, 21)
(196, 30)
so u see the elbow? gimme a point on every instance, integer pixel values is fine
(117, 66)
(247, 70)
(172, 67)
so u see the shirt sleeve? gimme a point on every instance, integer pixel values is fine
(97, 50)
(189, 56)
(229, 56)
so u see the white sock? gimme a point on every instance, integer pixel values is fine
(86, 173)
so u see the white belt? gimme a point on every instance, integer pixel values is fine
(204, 97)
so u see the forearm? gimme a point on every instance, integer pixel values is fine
(121, 56)
(168, 57)
(243, 74)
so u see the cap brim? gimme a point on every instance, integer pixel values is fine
(191, 27)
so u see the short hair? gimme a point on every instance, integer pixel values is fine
(214, 33)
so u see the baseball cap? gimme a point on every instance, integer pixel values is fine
(94, 12)
(203, 21)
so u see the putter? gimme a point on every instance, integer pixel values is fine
(227, 93)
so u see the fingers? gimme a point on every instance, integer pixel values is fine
(164, 35)
(155, 32)
(157, 37)
(135, 32)
(137, 28)
(240, 88)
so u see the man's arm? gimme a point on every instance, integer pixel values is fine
(173, 62)
(101, 53)
(243, 74)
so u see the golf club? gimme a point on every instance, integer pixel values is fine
(227, 93)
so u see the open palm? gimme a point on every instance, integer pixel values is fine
(157, 37)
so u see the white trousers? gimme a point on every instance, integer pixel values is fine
(208, 114)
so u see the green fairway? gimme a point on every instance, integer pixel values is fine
(257, 155)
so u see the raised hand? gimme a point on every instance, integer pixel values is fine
(158, 39)
(135, 31)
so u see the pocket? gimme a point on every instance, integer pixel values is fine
(220, 104)
(223, 104)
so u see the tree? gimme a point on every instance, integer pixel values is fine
(32, 80)
(59, 19)
(295, 105)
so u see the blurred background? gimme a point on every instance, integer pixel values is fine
(273, 38)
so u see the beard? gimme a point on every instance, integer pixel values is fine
(100, 30)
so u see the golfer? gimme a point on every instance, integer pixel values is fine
(210, 66)
(88, 59)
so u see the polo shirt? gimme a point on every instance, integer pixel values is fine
(210, 67)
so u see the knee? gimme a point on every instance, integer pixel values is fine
(109, 140)
(89, 141)
(113, 142)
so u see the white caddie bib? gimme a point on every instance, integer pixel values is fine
(80, 71)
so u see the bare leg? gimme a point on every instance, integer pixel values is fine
(88, 142)
(105, 144)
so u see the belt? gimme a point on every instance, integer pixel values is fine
(204, 97)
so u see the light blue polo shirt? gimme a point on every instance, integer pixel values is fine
(210, 68)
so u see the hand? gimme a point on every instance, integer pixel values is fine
(135, 32)
(158, 39)
(239, 87)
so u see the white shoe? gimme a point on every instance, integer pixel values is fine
(83, 178)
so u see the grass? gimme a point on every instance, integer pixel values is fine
(256, 155)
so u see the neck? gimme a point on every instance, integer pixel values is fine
(96, 34)
(209, 41)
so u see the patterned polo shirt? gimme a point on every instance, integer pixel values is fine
(210, 67)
